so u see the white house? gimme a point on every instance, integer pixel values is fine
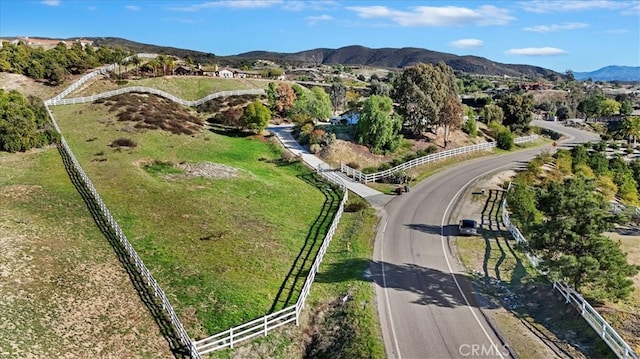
(226, 73)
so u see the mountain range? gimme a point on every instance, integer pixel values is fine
(611, 73)
(383, 58)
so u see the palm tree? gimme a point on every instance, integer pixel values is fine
(631, 128)
(154, 64)
(135, 60)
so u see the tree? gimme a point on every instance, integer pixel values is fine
(379, 88)
(378, 127)
(492, 113)
(609, 107)
(626, 108)
(315, 103)
(285, 98)
(24, 123)
(591, 106)
(504, 139)
(271, 95)
(571, 243)
(337, 95)
(517, 111)
(630, 128)
(256, 117)
(522, 206)
(450, 117)
(421, 91)
(135, 61)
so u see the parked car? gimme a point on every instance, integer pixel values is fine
(468, 227)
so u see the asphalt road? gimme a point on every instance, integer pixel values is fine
(425, 301)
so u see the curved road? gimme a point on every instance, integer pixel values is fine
(425, 301)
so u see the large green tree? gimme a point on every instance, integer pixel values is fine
(24, 123)
(571, 242)
(450, 117)
(421, 92)
(314, 104)
(591, 107)
(256, 117)
(378, 127)
(517, 109)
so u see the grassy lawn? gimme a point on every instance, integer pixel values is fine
(185, 87)
(220, 247)
(64, 292)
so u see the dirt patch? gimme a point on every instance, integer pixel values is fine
(204, 170)
(348, 152)
(26, 86)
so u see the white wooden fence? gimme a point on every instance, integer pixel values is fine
(262, 326)
(590, 315)
(232, 336)
(175, 321)
(372, 177)
(87, 99)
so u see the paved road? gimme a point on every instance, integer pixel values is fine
(425, 302)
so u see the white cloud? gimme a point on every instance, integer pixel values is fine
(617, 31)
(132, 7)
(51, 2)
(312, 20)
(550, 6)
(537, 51)
(437, 16)
(317, 5)
(557, 27)
(233, 4)
(467, 43)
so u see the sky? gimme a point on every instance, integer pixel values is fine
(559, 35)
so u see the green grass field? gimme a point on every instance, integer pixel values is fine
(220, 248)
(186, 87)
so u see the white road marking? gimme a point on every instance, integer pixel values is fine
(386, 295)
(446, 257)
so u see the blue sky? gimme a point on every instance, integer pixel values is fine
(559, 35)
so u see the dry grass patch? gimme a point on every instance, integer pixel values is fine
(64, 293)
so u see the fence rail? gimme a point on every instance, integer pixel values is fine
(372, 177)
(142, 89)
(590, 315)
(262, 326)
(175, 321)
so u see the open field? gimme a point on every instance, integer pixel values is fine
(185, 87)
(220, 247)
(64, 292)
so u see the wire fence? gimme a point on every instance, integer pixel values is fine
(372, 177)
(590, 315)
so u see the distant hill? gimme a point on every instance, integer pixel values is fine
(611, 73)
(349, 55)
(399, 58)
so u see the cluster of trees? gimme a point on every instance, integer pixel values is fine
(55, 64)
(596, 105)
(566, 213)
(24, 123)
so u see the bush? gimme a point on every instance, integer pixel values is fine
(470, 127)
(432, 149)
(355, 206)
(124, 142)
(315, 148)
(370, 170)
(505, 140)
(384, 166)
(354, 165)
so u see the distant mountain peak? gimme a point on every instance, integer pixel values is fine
(611, 73)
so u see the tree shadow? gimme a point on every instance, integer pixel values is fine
(433, 286)
(292, 285)
(447, 230)
(145, 292)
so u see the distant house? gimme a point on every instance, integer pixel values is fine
(225, 73)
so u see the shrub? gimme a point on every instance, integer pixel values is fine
(505, 139)
(432, 149)
(384, 166)
(370, 170)
(124, 142)
(315, 148)
(355, 206)
(470, 127)
(316, 136)
(354, 165)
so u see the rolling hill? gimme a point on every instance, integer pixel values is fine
(611, 73)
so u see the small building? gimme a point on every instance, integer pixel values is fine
(187, 70)
(225, 73)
